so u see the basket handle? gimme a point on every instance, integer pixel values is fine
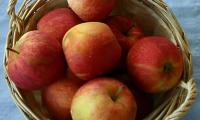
(12, 12)
(15, 21)
(11, 8)
(191, 88)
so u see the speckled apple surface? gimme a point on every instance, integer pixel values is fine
(188, 15)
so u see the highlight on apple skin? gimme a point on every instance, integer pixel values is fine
(91, 50)
(155, 64)
(35, 61)
(103, 99)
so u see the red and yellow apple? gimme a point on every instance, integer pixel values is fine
(103, 99)
(143, 100)
(58, 96)
(155, 64)
(57, 22)
(92, 10)
(91, 49)
(36, 60)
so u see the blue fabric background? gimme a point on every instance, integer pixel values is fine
(188, 14)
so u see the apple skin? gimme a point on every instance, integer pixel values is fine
(127, 40)
(57, 98)
(94, 101)
(126, 32)
(155, 64)
(121, 23)
(144, 101)
(39, 62)
(72, 76)
(92, 10)
(91, 49)
(57, 22)
(134, 34)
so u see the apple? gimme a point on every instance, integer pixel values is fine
(126, 32)
(134, 34)
(143, 100)
(91, 49)
(58, 96)
(155, 64)
(36, 60)
(57, 22)
(103, 99)
(121, 23)
(92, 10)
(70, 75)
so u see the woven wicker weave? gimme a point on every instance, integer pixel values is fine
(157, 19)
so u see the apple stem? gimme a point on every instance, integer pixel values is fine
(12, 50)
(167, 67)
(119, 90)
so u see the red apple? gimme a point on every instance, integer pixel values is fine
(58, 96)
(36, 60)
(103, 99)
(121, 23)
(91, 49)
(92, 10)
(70, 75)
(57, 22)
(155, 64)
(125, 30)
(134, 34)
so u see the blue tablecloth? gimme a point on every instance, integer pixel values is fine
(187, 12)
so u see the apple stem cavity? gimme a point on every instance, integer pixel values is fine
(168, 67)
(12, 50)
(115, 96)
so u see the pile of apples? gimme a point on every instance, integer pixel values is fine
(93, 66)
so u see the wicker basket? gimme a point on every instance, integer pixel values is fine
(153, 15)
